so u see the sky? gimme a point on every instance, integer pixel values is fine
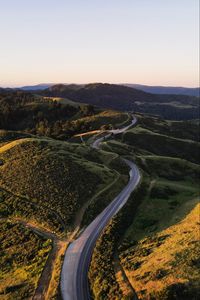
(152, 42)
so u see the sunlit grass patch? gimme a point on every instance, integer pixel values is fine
(159, 263)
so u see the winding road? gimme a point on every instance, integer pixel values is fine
(97, 142)
(74, 275)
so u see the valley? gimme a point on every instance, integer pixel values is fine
(53, 185)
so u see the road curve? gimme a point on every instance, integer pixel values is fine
(74, 278)
(97, 142)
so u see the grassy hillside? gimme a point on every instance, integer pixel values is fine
(167, 155)
(166, 265)
(52, 177)
(55, 187)
(172, 194)
(160, 144)
(168, 196)
(23, 256)
(156, 231)
(178, 129)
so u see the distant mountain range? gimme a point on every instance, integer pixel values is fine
(41, 86)
(145, 88)
(120, 97)
(166, 89)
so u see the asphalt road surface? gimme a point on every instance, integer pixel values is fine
(97, 142)
(74, 276)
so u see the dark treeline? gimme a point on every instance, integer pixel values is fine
(35, 114)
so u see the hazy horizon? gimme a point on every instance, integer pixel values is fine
(85, 83)
(142, 42)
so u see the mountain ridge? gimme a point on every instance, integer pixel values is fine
(158, 89)
(176, 90)
(125, 98)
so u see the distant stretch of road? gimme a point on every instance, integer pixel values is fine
(113, 131)
(74, 276)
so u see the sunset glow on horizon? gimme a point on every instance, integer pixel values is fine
(133, 41)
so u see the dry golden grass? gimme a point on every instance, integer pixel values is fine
(122, 281)
(169, 262)
(12, 144)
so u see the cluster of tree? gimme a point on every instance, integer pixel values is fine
(38, 115)
(61, 129)
(20, 109)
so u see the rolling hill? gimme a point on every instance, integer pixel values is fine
(166, 265)
(51, 187)
(124, 98)
(146, 88)
(54, 179)
(54, 117)
(151, 246)
(46, 187)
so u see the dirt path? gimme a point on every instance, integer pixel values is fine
(47, 280)
(45, 277)
(178, 185)
(151, 185)
(124, 284)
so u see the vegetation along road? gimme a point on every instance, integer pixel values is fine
(74, 276)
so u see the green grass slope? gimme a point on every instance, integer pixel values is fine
(161, 144)
(23, 256)
(173, 192)
(178, 129)
(48, 177)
